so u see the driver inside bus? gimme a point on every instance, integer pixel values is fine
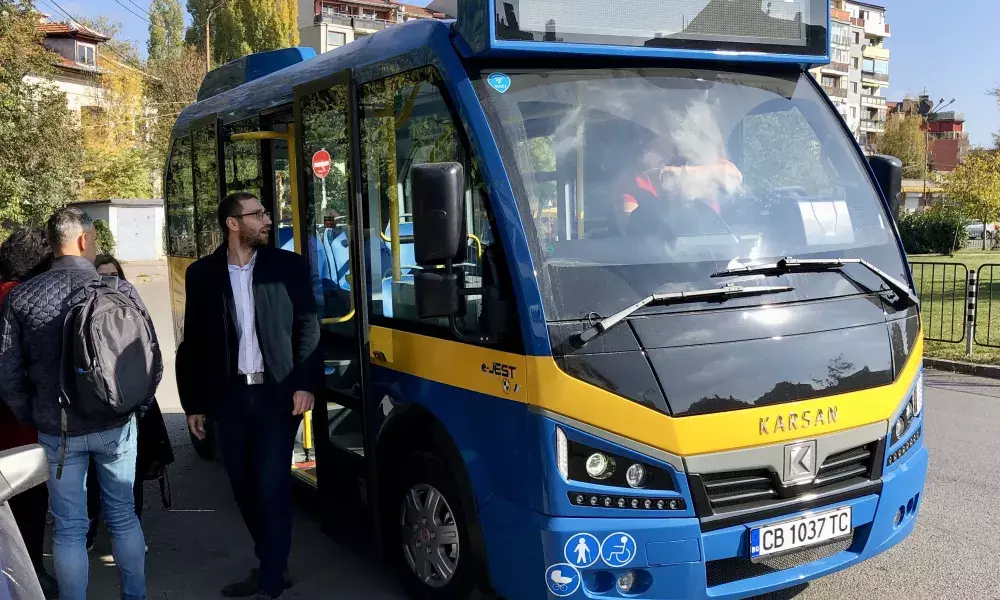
(667, 176)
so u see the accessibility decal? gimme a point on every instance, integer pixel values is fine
(499, 82)
(582, 550)
(562, 579)
(618, 549)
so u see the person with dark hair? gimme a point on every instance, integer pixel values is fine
(154, 451)
(31, 359)
(255, 377)
(23, 255)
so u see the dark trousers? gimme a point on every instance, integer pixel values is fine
(29, 508)
(257, 435)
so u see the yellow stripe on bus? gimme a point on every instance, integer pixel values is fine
(538, 381)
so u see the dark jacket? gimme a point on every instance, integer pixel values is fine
(286, 321)
(31, 332)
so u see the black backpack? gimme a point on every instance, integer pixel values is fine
(107, 355)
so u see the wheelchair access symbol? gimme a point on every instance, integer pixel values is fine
(562, 579)
(618, 549)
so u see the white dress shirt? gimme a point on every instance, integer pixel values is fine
(251, 360)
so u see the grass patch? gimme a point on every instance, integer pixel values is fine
(941, 283)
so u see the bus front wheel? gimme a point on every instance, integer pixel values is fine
(433, 553)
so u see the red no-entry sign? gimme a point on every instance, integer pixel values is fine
(321, 164)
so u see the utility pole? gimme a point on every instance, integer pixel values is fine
(208, 33)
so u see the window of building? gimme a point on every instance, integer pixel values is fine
(854, 111)
(882, 67)
(832, 82)
(868, 65)
(854, 87)
(840, 56)
(416, 128)
(857, 37)
(335, 39)
(179, 192)
(86, 54)
(206, 188)
(855, 63)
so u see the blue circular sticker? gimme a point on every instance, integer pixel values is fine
(562, 579)
(582, 550)
(618, 549)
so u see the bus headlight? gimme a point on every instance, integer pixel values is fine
(600, 466)
(898, 429)
(918, 394)
(635, 476)
(562, 453)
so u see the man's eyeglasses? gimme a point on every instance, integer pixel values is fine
(259, 214)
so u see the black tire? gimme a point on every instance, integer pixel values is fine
(426, 469)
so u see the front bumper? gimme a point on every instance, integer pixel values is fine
(674, 559)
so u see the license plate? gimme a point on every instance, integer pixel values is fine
(802, 532)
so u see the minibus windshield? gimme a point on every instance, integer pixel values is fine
(632, 182)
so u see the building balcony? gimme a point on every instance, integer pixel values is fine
(876, 29)
(364, 23)
(840, 15)
(841, 41)
(335, 19)
(371, 24)
(872, 125)
(835, 92)
(950, 135)
(872, 101)
(877, 52)
(837, 67)
(880, 79)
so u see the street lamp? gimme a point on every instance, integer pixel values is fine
(927, 136)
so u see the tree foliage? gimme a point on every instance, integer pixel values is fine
(105, 239)
(241, 27)
(904, 140)
(995, 92)
(36, 176)
(974, 185)
(166, 30)
(934, 231)
(176, 85)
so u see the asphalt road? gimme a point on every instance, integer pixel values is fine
(199, 543)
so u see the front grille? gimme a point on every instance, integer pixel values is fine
(728, 570)
(734, 489)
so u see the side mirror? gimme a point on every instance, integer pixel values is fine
(889, 174)
(438, 217)
(22, 469)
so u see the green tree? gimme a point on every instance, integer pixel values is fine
(175, 86)
(904, 140)
(105, 239)
(40, 153)
(974, 185)
(166, 30)
(241, 27)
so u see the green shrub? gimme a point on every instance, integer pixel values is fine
(105, 239)
(934, 231)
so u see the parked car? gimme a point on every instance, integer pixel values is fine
(20, 469)
(975, 230)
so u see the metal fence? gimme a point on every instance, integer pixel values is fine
(957, 304)
(943, 290)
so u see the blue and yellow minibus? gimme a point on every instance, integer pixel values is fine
(613, 305)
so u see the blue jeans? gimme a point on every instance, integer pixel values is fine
(114, 451)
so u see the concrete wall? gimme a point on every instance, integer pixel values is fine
(80, 91)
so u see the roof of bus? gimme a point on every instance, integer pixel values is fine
(277, 89)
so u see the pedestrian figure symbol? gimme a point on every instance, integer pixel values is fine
(618, 549)
(582, 550)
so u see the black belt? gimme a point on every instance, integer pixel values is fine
(250, 378)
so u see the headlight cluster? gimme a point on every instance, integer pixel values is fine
(579, 462)
(910, 412)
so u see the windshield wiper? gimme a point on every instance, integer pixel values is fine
(805, 265)
(715, 294)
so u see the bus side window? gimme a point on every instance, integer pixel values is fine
(180, 201)
(243, 169)
(206, 188)
(405, 121)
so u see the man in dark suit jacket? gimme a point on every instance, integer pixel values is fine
(250, 359)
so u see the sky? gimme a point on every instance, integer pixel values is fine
(949, 48)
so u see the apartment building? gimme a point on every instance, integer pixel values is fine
(77, 71)
(947, 140)
(328, 24)
(859, 67)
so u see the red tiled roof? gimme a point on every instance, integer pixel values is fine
(66, 63)
(416, 11)
(71, 29)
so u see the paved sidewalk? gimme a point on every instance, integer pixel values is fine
(200, 543)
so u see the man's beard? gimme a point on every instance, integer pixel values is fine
(251, 239)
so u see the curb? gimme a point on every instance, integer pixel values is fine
(991, 371)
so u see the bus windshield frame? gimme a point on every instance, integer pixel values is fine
(726, 169)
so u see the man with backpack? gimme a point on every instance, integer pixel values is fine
(78, 359)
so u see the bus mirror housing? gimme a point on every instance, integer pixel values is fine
(889, 174)
(438, 219)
